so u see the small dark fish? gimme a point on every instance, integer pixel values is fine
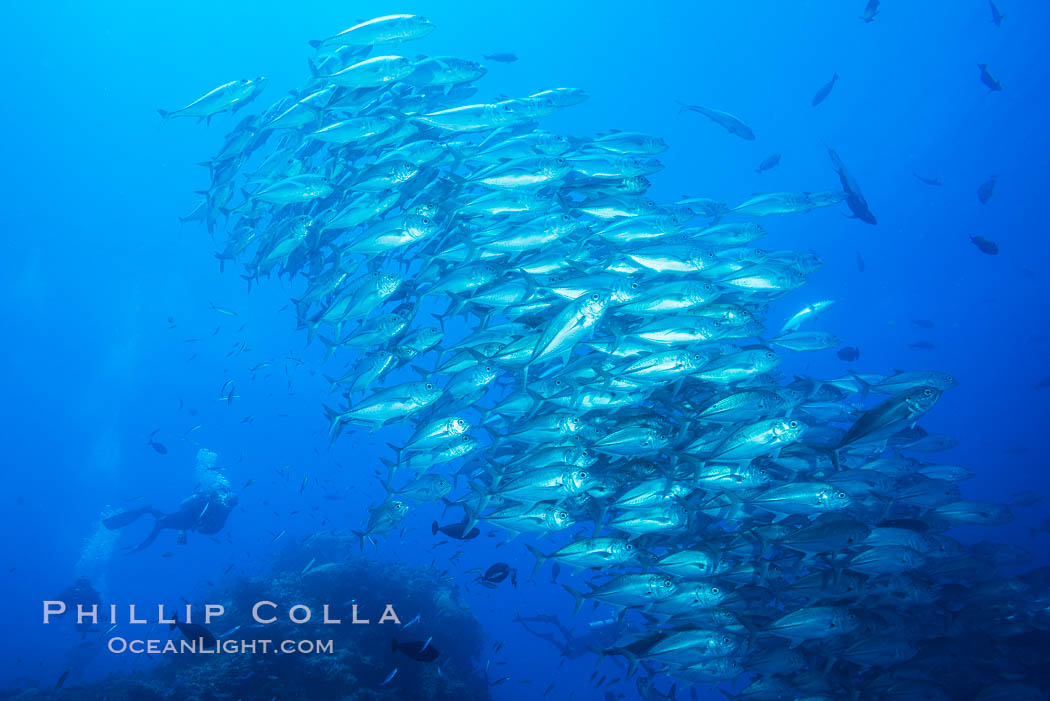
(725, 120)
(849, 353)
(988, 79)
(854, 198)
(861, 267)
(923, 323)
(986, 190)
(922, 345)
(500, 681)
(62, 678)
(420, 651)
(156, 446)
(825, 90)
(997, 16)
(496, 573)
(167, 554)
(870, 10)
(769, 163)
(501, 57)
(389, 677)
(455, 530)
(985, 245)
(929, 181)
(194, 631)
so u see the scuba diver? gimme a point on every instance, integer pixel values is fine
(204, 511)
(82, 593)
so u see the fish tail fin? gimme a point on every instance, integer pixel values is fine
(632, 662)
(315, 43)
(600, 518)
(434, 528)
(311, 330)
(164, 114)
(330, 347)
(470, 516)
(336, 424)
(575, 595)
(540, 559)
(458, 303)
(393, 468)
(361, 537)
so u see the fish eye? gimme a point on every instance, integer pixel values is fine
(565, 217)
(634, 285)
(426, 220)
(628, 547)
(583, 475)
(560, 161)
(667, 582)
(725, 639)
(793, 424)
(841, 495)
(595, 297)
(714, 590)
(696, 356)
(563, 514)
(429, 386)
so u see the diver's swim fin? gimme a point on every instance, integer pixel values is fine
(126, 518)
(157, 528)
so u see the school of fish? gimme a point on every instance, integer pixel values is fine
(573, 358)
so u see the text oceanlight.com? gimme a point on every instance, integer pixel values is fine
(121, 645)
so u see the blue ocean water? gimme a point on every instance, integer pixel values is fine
(108, 300)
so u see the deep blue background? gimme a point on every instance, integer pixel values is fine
(94, 261)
